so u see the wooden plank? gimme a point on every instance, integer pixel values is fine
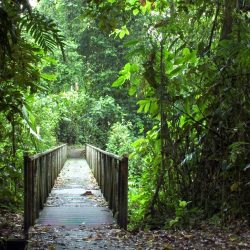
(123, 193)
(111, 194)
(105, 152)
(109, 181)
(44, 180)
(99, 168)
(40, 178)
(33, 157)
(37, 189)
(75, 216)
(117, 184)
(54, 169)
(105, 183)
(102, 184)
(50, 173)
(32, 188)
(27, 169)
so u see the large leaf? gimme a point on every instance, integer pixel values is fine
(44, 31)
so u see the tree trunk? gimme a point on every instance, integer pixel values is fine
(227, 23)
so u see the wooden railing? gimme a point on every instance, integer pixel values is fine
(111, 173)
(40, 173)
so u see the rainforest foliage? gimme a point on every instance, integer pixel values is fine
(165, 81)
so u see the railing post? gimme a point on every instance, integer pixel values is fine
(26, 194)
(123, 193)
(35, 191)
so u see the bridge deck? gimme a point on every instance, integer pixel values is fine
(75, 199)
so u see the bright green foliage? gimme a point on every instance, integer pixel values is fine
(47, 115)
(120, 139)
(192, 80)
(83, 119)
(100, 116)
(44, 31)
(125, 74)
(25, 36)
(121, 32)
(181, 214)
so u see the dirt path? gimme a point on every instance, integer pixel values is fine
(111, 238)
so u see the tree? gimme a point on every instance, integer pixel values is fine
(25, 37)
(191, 78)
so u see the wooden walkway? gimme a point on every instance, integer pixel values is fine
(75, 199)
(69, 211)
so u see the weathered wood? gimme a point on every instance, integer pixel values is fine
(33, 157)
(26, 163)
(104, 152)
(111, 173)
(40, 172)
(36, 195)
(123, 193)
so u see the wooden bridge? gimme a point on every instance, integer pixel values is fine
(40, 174)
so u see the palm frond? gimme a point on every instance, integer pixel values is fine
(44, 31)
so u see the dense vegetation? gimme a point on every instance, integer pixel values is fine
(166, 81)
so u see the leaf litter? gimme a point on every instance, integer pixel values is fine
(112, 237)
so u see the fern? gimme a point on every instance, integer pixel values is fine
(44, 31)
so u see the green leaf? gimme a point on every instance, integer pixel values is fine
(154, 109)
(146, 7)
(132, 90)
(49, 77)
(50, 60)
(169, 66)
(127, 67)
(134, 68)
(179, 60)
(119, 81)
(135, 12)
(182, 121)
(146, 107)
(131, 42)
(44, 31)
(176, 71)
(186, 51)
(122, 34)
(183, 203)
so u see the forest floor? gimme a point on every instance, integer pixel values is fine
(108, 235)
(236, 236)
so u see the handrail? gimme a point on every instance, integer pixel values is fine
(40, 173)
(106, 152)
(111, 173)
(33, 157)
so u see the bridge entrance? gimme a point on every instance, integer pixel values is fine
(62, 190)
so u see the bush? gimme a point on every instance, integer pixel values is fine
(120, 139)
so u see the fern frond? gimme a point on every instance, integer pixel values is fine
(44, 31)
